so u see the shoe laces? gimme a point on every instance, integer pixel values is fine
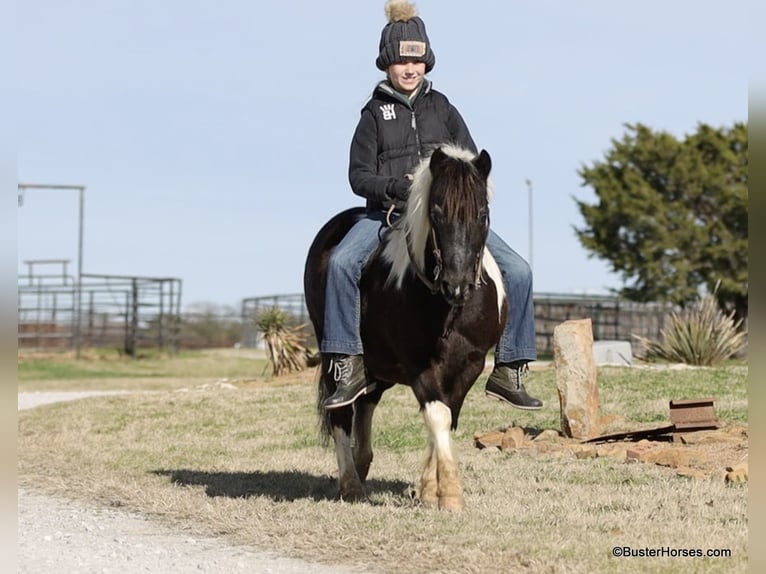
(519, 373)
(340, 369)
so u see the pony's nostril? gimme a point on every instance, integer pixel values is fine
(454, 293)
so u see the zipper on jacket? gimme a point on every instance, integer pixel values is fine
(417, 135)
(386, 88)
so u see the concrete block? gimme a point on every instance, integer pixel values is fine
(613, 353)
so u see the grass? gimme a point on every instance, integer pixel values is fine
(106, 369)
(246, 464)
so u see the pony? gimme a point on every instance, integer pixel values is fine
(432, 305)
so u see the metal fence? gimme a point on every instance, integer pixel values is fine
(294, 305)
(129, 313)
(612, 318)
(55, 311)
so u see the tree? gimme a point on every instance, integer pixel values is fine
(671, 215)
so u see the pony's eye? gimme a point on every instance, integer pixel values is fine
(484, 218)
(437, 214)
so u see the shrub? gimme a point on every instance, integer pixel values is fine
(701, 335)
(286, 350)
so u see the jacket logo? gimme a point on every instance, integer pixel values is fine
(389, 113)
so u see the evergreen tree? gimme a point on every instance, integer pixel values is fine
(671, 215)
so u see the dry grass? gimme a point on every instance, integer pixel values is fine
(107, 369)
(245, 464)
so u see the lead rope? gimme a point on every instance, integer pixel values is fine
(388, 215)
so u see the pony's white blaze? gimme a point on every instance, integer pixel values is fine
(417, 226)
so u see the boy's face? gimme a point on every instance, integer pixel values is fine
(405, 76)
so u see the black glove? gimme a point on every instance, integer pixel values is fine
(399, 193)
(401, 189)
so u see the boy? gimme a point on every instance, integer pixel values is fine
(405, 120)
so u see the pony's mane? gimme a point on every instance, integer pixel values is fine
(416, 225)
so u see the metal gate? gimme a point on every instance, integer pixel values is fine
(57, 312)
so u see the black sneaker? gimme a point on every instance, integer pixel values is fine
(505, 384)
(348, 373)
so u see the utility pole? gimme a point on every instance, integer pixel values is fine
(531, 231)
(80, 224)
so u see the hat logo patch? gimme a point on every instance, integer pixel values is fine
(412, 49)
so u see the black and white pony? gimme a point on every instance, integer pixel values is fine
(432, 306)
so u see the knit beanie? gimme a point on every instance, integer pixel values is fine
(404, 37)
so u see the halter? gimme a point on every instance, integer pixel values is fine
(433, 285)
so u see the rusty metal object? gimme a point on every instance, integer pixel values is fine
(659, 433)
(686, 415)
(693, 414)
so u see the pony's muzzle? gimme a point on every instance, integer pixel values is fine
(455, 294)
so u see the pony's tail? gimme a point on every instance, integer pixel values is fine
(323, 392)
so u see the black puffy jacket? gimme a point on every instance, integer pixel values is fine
(394, 134)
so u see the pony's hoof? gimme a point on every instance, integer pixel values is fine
(451, 503)
(355, 495)
(429, 501)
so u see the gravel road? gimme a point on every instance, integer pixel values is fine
(57, 535)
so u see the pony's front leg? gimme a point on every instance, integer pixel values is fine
(349, 484)
(449, 489)
(428, 484)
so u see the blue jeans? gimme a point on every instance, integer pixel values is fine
(342, 301)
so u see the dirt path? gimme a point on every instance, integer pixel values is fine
(57, 535)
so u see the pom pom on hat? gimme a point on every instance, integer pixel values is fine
(400, 10)
(404, 37)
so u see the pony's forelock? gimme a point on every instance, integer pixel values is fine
(416, 224)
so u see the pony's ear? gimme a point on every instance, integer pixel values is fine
(483, 163)
(437, 158)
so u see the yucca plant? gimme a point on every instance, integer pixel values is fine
(701, 335)
(286, 350)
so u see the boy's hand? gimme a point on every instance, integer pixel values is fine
(399, 192)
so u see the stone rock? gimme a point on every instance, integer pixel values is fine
(737, 473)
(673, 457)
(548, 435)
(618, 452)
(222, 384)
(586, 452)
(512, 438)
(544, 447)
(638, 451)
(576, 378)
(493, 439)
(709, 437)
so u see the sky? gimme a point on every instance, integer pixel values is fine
(212, 137)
